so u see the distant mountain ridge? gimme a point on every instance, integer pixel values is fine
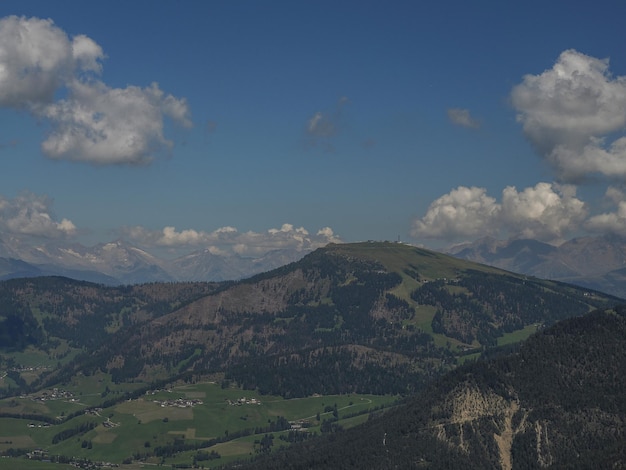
(597, 263)
(119, 262)
(593, 262)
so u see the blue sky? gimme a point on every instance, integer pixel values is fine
(245, 126)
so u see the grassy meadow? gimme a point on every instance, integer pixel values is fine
(190, 414)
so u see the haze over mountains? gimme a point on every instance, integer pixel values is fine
(593, 262)
(119, 262)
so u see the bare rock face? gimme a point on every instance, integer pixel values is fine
(468, 410)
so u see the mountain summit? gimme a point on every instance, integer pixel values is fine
(364, 318)
(386, 317)
(597, 263)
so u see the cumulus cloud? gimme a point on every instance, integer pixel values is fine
(87, 54)
(592, 158)
(31, 215)
(462, 117)
(103, 125)
(613, 194)
(35, 60)
(568, 112)
(229, 240)
(610, 222)
(546, 212)
(463, 212)
(94, 123)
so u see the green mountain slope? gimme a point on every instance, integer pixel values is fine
(45, 323)
(558, 402)
(365, 317)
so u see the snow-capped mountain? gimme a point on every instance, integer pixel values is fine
(593, 262)
(119, 262)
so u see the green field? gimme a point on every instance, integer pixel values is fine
(162, 417)
(517, 336)
(22, 464)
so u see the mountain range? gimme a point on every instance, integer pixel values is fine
(593, 262)
(597, 263)
(377, 318)
(401, 313)
(119, 262)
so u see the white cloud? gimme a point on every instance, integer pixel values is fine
(573, 114)
(546, 212)
(103, 125)
(87, 54)
(94, 123)
(615, 195)
(287, 228)
(567, 112)
(610, 222)
(593, 158)
(463, 212)
(230, 240)
(186, 237)
(327, 233)
(226, 229)
(31, 215)
(35, 59)
(462, 117)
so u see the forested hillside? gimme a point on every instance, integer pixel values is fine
(347, 318)
(51, 322)
(368, 318)
(557, 401)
